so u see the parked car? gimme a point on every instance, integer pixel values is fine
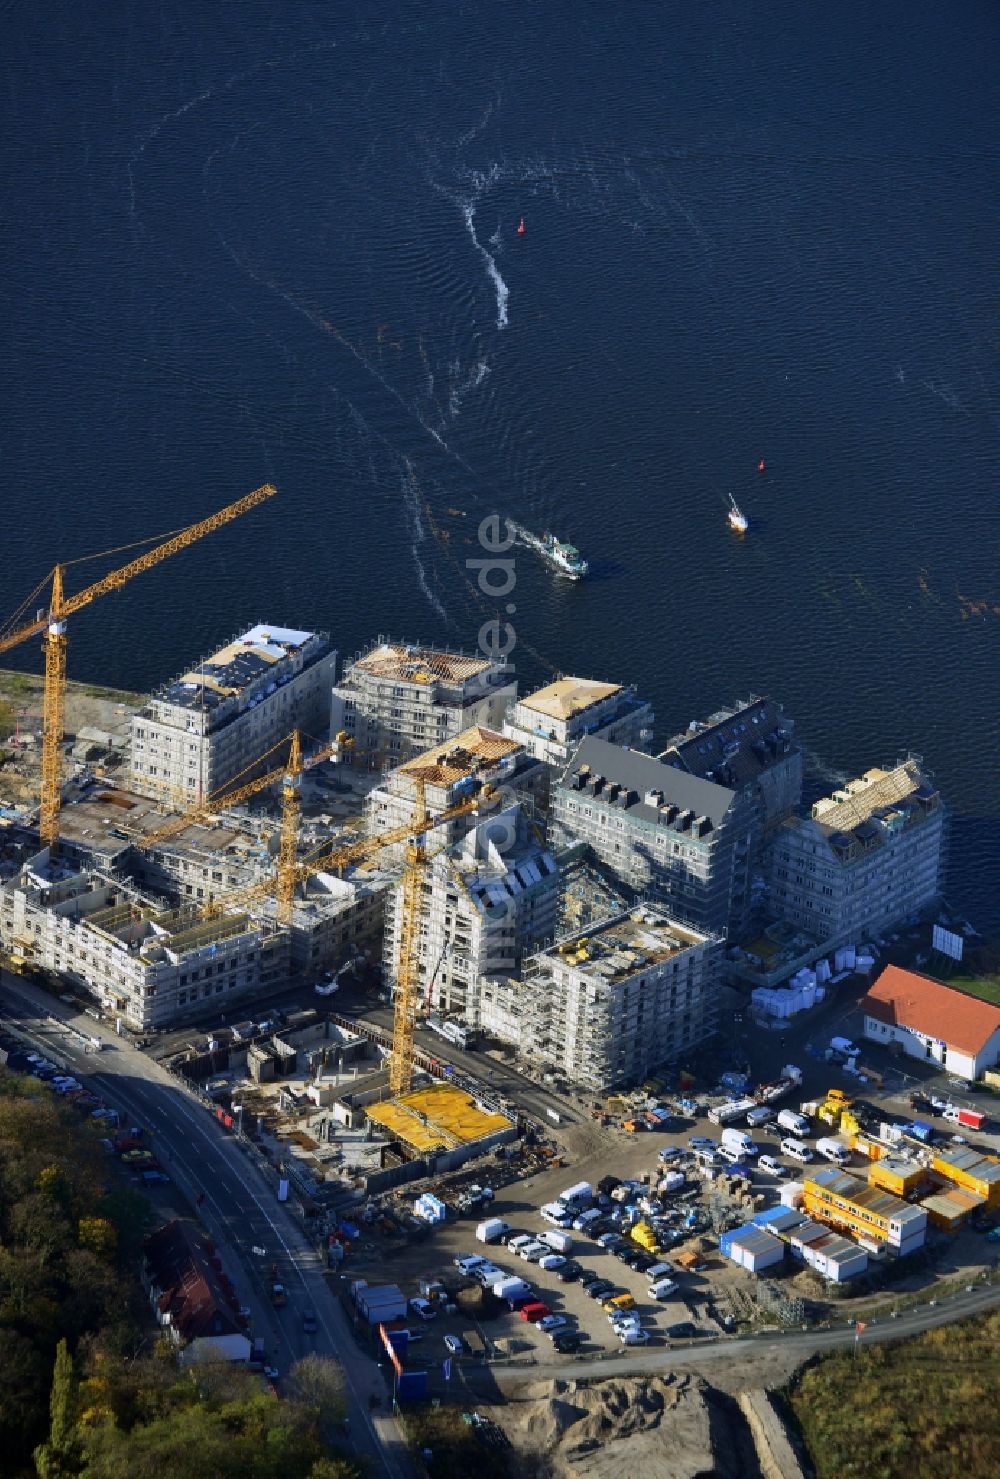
(553, 1261)
(570, 1271)
(534, 1311)
(455, 1344)
(634, 1337)
(552, 1322)
(422, 1307)
(566, 1341)
(609, 1240)
(599, 1288)
(699, 1142)
(624, 1320)
(588, 1277)
(683, 1330)
(771, 1166)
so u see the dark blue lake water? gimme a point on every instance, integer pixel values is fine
(275, 240)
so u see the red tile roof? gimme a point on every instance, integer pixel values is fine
(197, 1295)
(909, 1000)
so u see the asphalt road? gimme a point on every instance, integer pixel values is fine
(805, 1343)
(239, 1210)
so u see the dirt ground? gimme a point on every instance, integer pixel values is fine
(86, 705)
(668, 1427)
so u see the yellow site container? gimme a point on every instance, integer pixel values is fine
(895, 1175)
(644, 1235)
(980, 1175)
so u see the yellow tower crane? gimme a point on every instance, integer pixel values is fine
(288, 845)
(221, 800)
(413, 833)
(53, 624)
(408, 973)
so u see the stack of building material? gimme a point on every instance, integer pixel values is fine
(430, 1208)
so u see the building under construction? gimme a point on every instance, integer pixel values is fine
(609, 1005)
(143, 962)
(441, 1122)
(218, 719)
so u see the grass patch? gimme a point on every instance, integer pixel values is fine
(986, 987)
(458, 1452)
(924, 1407)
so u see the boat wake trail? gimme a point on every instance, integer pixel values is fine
(819, 767)
(462, 383)
(492, 270)
(411, 502)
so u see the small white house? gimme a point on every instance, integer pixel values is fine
(933, 1022)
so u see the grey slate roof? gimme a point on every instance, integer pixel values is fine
(640, 773)
(733, 747)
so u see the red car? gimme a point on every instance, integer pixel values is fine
(535, 1311)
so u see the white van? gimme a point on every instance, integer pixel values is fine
(796, 1150)
(521, 1241)
(730, 1156)
(707, 1157)
(659, 1271)
(533, 1251)
(771, 1166)
(586, 1220)
(760, 1116)
(662, 1289)
(557, 1214)
(738, 1140)
(797, 1123)
(833, 1150)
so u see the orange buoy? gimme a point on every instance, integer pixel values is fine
(522, 228)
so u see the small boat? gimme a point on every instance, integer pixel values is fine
(565, 559)
(738, 520)
(521, 227)
(761, 465)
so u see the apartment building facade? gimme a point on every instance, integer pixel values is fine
(551, 722)
(683, 842)
(218, 720)
(868, 855)
(148, 965)
(397, 701)
(748, 746)
(487, 903)
(451, 773)
(606, 1007)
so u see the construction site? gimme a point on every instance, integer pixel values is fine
(175, 895)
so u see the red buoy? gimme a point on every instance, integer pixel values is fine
(522, 228)
(760, 465)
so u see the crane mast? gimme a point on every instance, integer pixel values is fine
(408, 974)
(291, 811)
(53, 717)
(53, 625)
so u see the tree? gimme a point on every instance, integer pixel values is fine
(99, 1236)
(318, 1384)
(23, 1394)
(54, 1459)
